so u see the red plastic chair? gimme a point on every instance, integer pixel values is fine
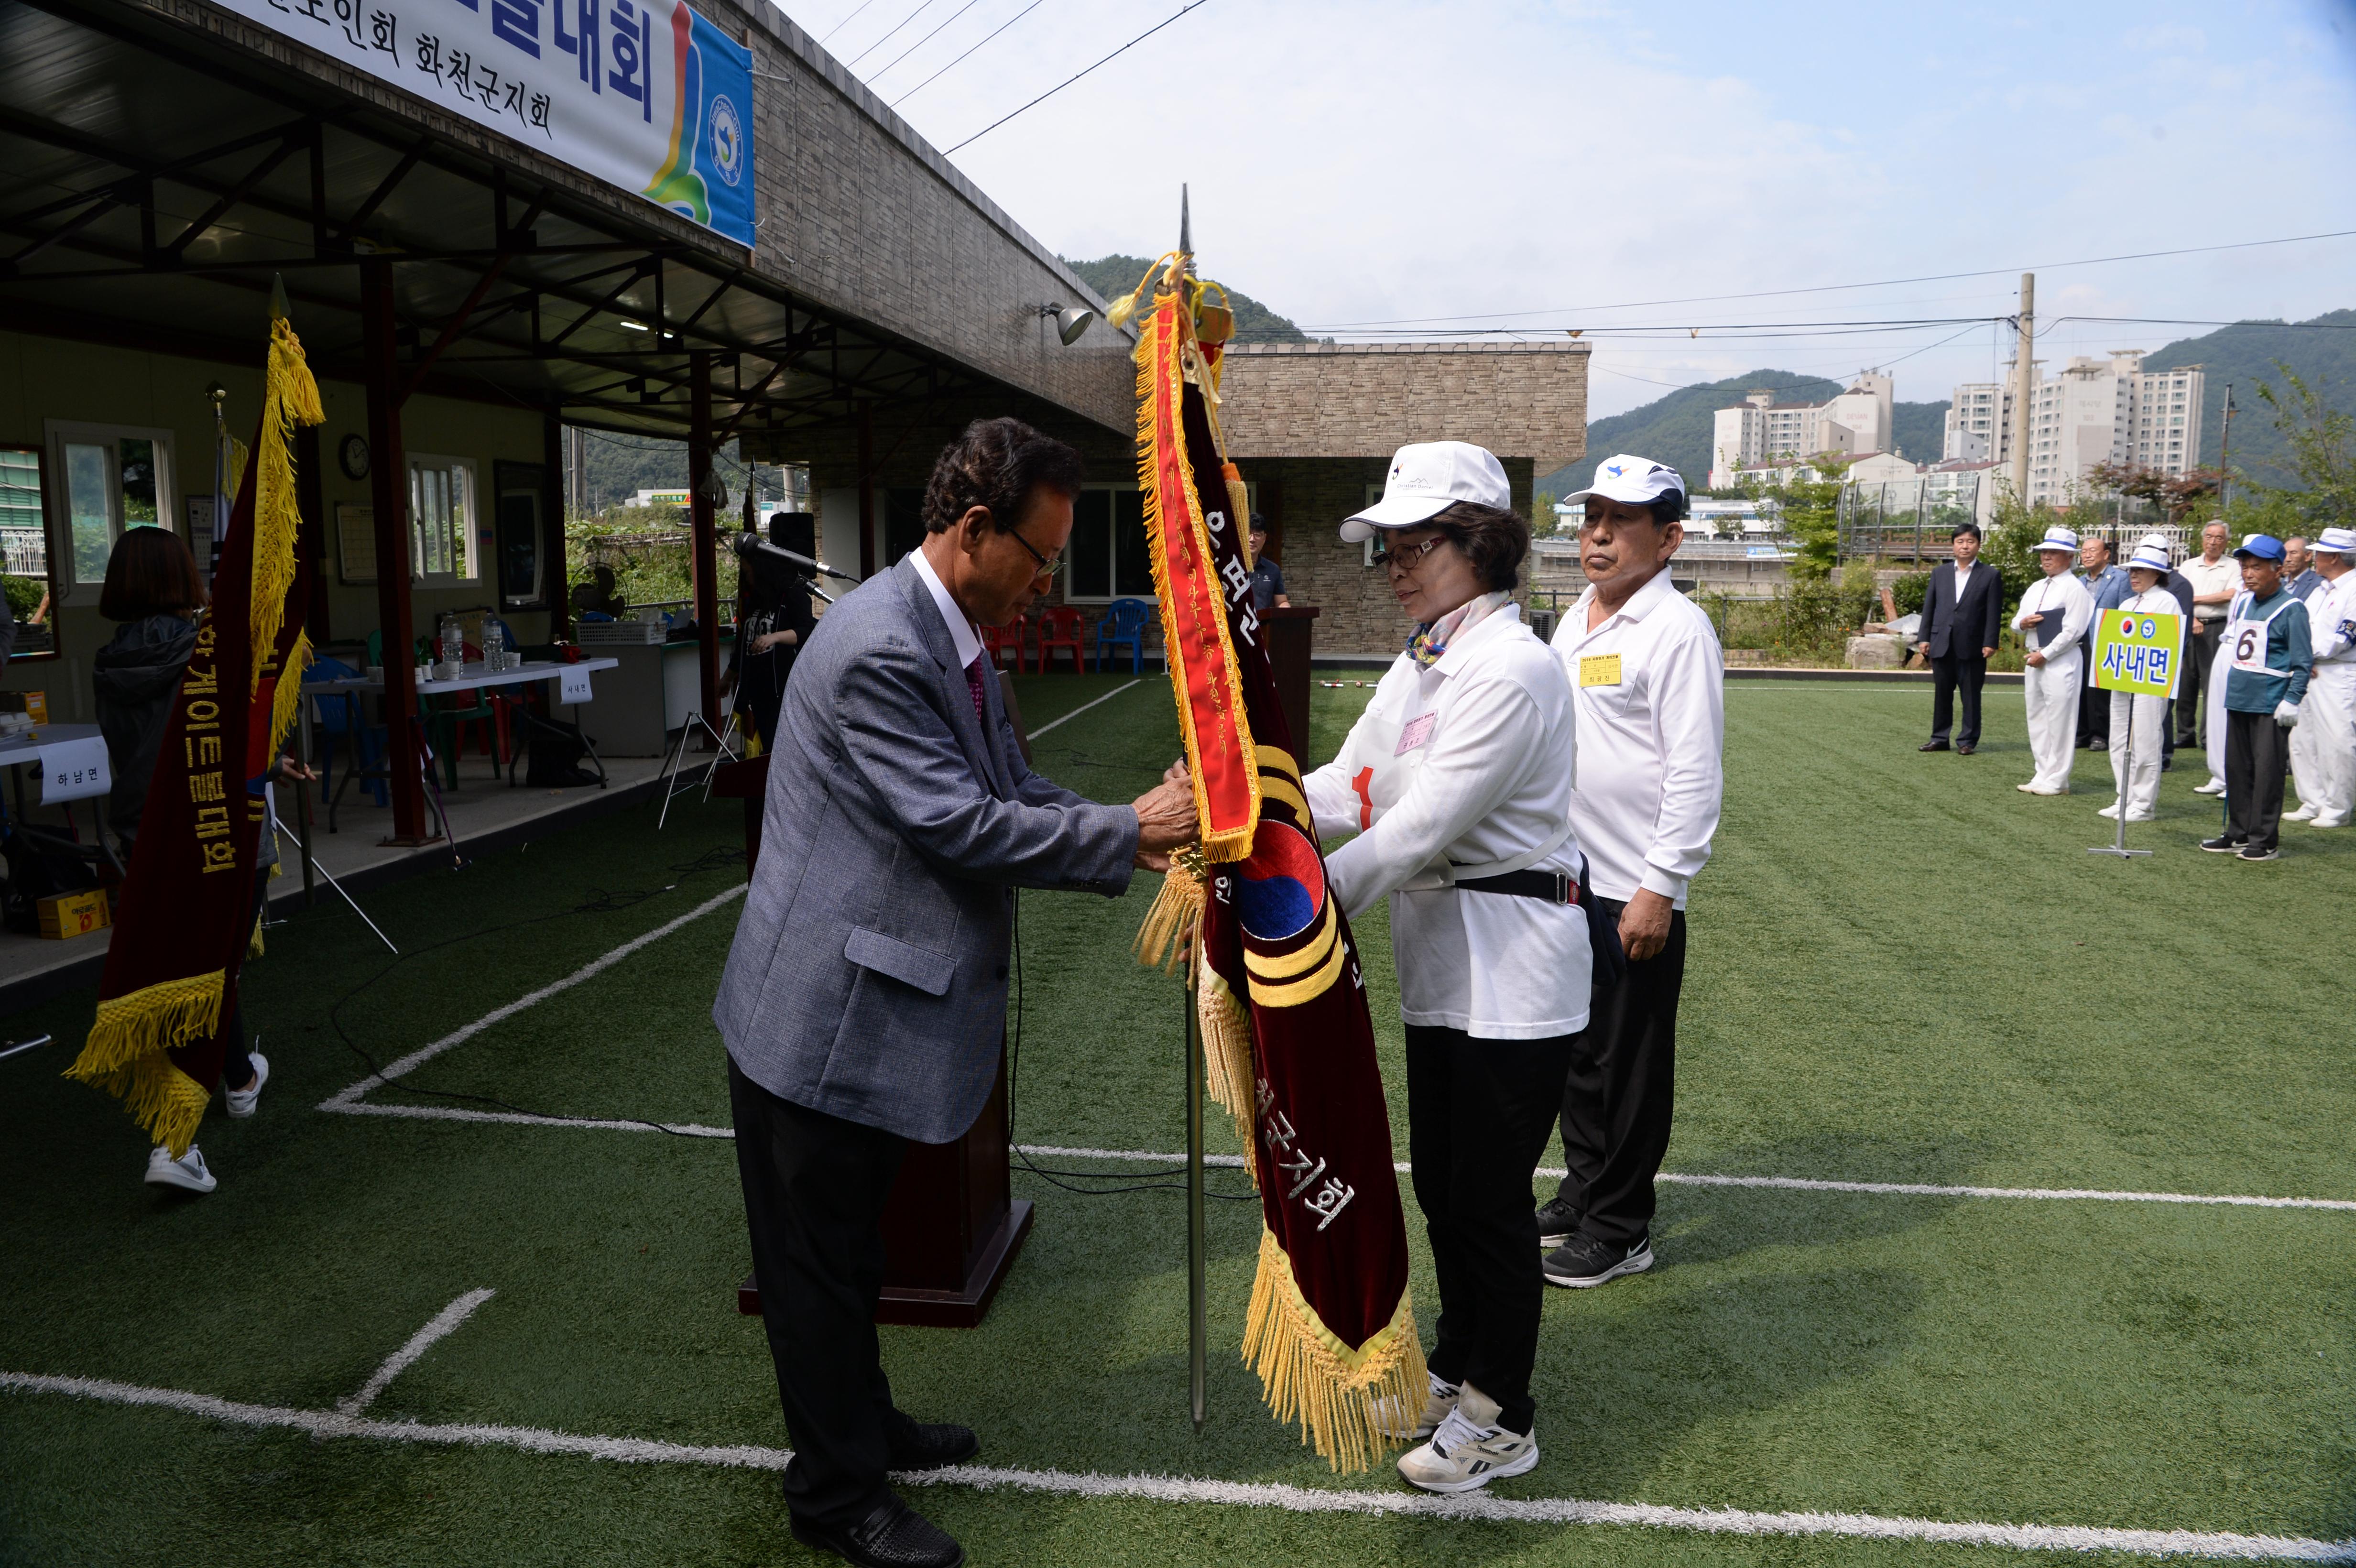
(1060, 628)
(996, 640)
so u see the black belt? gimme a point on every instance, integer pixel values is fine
(1547, 886)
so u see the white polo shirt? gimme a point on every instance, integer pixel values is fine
(1487, 733)
(1650, 687)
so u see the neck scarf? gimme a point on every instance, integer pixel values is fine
(1426, 643)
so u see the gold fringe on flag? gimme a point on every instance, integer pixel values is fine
(1349, 1403)
(125, 1054)
(290, 396)
(1167, 935)
(1227, 1069)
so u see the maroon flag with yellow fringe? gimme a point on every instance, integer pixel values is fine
(1290, 1047)
(184, 920)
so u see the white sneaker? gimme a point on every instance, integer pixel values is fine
(242, 1101)
(2110, 810)
(2043, 789)
(2320, 820)
(188, 1172)
(2214, 786)
(2143, 816)
(1391, 1418)
(1469, 1449)
(2304, 813)
(2025, 788)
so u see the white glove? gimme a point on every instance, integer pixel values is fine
(2286, 715)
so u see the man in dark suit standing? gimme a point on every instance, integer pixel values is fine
(864, 1001)
(1960, 615)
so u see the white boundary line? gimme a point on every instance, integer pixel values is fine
(1478, 1506)
(1084, 706)
(1802, 1184)
(347, 1099)
(401, 1360)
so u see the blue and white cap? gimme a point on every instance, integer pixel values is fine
(2151, 555)
(2058, 538)
(1426, 478)
(1638, 481)
(2334, 541)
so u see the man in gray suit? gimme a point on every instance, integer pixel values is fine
(864, 1001)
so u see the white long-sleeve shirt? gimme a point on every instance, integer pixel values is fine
(1650, 687)
(2067, 594)
(1492, 722)
(2331, 620)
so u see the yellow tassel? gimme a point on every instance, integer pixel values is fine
(1229, 1074)
(287, 701)
(290, 396)
(253, 943)
(1168, 934)
(123, 1054)
(1342, 1399)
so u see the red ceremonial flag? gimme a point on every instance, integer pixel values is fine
(1290, 1046)
(186, 917)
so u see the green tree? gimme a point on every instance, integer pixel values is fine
(1811, 512)
(1542, 518)
(2322, 458)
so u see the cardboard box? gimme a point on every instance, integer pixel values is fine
(74, 914)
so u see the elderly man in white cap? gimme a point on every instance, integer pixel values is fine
(1648, 682)
(2328, 728)
(2055, 614)
(2138, 723)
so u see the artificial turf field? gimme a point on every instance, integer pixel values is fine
(1902, 971)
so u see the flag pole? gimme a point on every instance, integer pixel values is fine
(1197, 1299)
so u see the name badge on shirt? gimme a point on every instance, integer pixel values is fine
(1599, 669)
(1414, 733)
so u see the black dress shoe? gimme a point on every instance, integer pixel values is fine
(1932, 746)
(921, 1446)
(894, 1536)
(1965, 751)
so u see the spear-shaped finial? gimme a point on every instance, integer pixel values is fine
(1185, 224)
(279, 310)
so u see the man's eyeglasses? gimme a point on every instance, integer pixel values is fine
(1407, 557)
(1048, 569)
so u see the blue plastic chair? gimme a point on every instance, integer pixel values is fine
(1124, 626)
(339, 721)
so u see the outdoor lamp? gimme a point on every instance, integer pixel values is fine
(1070, 321)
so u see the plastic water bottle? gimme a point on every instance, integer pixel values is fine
(454, 645)
(495, 646)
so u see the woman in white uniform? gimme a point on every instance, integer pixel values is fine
(1457, 781)
(2138, 722)
(2054, 612)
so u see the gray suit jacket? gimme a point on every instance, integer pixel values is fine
(868, 976)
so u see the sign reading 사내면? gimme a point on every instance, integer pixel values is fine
(643, 94)
(2137, 652)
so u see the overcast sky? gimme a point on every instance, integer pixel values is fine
(1379, 160)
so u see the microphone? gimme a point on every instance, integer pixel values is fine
(746, 545)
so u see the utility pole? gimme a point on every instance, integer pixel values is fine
(2024, 387)
(2225, 450)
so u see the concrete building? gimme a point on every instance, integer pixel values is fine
(1759, 430)
(2095, 409)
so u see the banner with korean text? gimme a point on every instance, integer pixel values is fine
(2137, 651)
(643, 94)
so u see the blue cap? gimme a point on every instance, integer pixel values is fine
(2260, 547)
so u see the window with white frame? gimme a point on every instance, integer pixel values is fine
(443, 515)
(109, 478)
(1106, 557)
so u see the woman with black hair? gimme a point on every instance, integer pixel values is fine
(1457, 781)
(773, 619)
(154, 588)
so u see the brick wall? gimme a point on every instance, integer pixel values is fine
(1358, 399)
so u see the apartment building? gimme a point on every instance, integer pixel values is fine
(2094, 410)
(1759, 430)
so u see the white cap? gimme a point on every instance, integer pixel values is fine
(2151, 555)
(2336, 541)
(2058, 538)
(1638, 481)
(2155, 541)
(1426, 478)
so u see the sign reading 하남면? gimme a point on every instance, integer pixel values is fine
(2137, 652)
(643, 94)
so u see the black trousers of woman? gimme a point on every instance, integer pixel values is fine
(1478, 1113)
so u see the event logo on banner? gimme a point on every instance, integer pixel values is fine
(649, 97)
(2137, 652)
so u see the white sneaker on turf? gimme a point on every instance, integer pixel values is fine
(2143, 816)
(1469, 1449)
(2110, 810)
(1391, 1416)
(242, 1101)
(2320, 820)
(2214, 786)
(2304, 813)
(188, 1172)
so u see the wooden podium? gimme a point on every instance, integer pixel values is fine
(1288, 656)
(952, 1225)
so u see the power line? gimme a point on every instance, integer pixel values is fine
(920, 43)
(986, 38)
(994, 124)
(848, 20)
(922, 6)
(1835, 288)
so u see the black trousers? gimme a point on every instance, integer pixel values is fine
(2199, 652)
(1947, 676)
(814, 1191)
(2258, 759)
(2093, 715)
(1617, 1101)
(1476, 1124)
